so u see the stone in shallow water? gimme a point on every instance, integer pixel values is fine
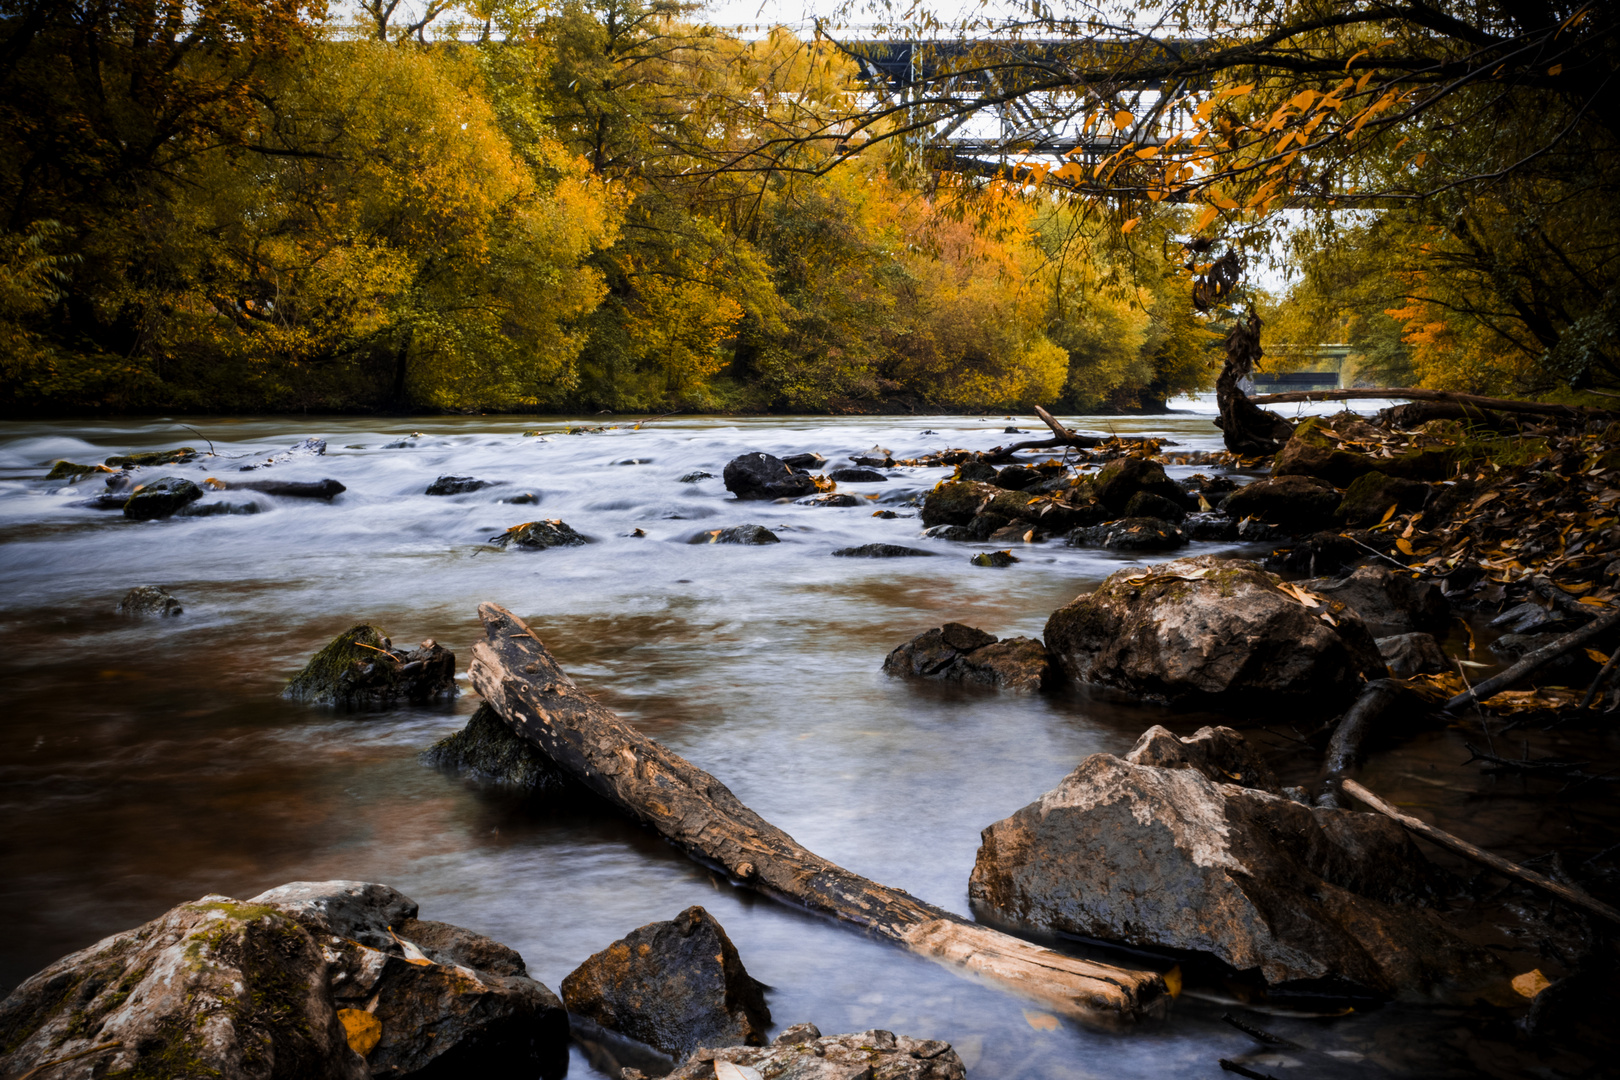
(856, 475)
(803, 1053)
(160, 498)
(881, 551)
(737, 534)
(486, 749)
(360, 668)
(539, 535)
(457, 485)
(958, 653)
(762, 476)
(149, 600)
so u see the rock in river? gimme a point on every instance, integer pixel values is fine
(881, 551)
(457, 485)
(803, 1053)
(305, 981)
(737, 534)
(958, 653)
(360, 668)
(149, 600)
(539, 535)
(160, 498)
(486, 749)
(1126, 477)
(1178, 846)
(762, 476)
(291, 489)
(1215, 632)
(1388, 601)
(1130, 534)
(856, 475)
(1298, 504)
(674, 986)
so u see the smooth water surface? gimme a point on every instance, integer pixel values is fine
(148, 762)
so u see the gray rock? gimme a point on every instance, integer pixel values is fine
(958, 653)
(994, 559)
(361, 669)
(1413, 654)
(1160, 852)
(540, 535)
(881, 551)
(762, 476)
(1388, 601)
(361, 910)
(1129, 534)
(856, 475)
(803, 1053)
(1151, 505)
(149, 600)
(674, 986)
(1213, 631)
(457, 485)
(160, 498)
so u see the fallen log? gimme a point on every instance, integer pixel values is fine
(1412, 393)
(1376, 698)
(1533, 661)
(1569, 894)
(522, 682)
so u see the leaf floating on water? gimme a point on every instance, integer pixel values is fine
(363, 1030)
(728, 1070)
(1531, 983)
(1041, 1021)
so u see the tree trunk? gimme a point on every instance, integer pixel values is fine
(1247, 429)
(518, 677)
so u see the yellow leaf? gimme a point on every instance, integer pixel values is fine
(1593, 601)
(1405, 546)
(1147, 152)
(1597, 657)
(364, 1031)
(1122, 119)
(1528, 985)
(1389, 513)
(1556, 69)
(1420, 159)
(1041, 1021)
(1172, 981)
(1129, 225)
(1209, 214)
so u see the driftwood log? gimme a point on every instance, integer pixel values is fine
(518, 677)
(1567, 893)
(1062, 438)
(1412, 393)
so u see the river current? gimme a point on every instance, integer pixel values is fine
(148, 762)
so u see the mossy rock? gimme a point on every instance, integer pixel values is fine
(489, 751)
(955, 502)
(161, 498)
(994, 558)
(360, 668)
(539, 535)
(1371, 496)
(67, 470)
(1122, 478)
(152, 457)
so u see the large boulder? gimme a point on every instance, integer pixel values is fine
(1165, 849)
(314, 980)
(958, 653)
(955, 502)
(1299, 504)
(160, 498)
(1388, 601)
(1125, 477)
(1372, 495)
(762, 476)
(674, 986)
(803, 1053)
(1216, 632)
(361, 669)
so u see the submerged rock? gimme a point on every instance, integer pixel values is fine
(881, 551)
(674, 986)
(738, 534)
(539, 535)
(958, 653)
(360, 668)
(831, 498)
(457, 485)
(1180, 847)
(487, 750)
(161, 498)
(856, 475)
(1218, 632)
(152, 457)
(696, 475)
(306, 448)
(149, 600)
(67, 470)
(762, 476)
(217, 509)
(803, 1053)
(291, 489)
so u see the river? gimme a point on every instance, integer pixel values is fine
(148, 762)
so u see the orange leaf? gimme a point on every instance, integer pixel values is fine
(1597, 657)
(362, 1030)
(1129, 225)
(1209, 214)
(1389, 513)
(1405, 546)
(1556, 69)
(1122, 119)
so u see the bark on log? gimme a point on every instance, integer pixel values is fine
(1532, 661)
(518, 677)
(1410, 393)
(1567, 893)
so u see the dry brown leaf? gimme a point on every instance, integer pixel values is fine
(1597, 657)
(730, 1070)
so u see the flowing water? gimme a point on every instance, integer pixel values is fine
(148, 762)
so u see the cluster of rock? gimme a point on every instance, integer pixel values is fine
(958, 653)
(177, 496)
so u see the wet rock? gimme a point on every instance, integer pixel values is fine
(761, 476)
(1212, 631)
(1171, 854)
(1530, 618)
(1388, 601)
(857, 476)
(803, 1053)
(954, 502)
(217, 509)
(1412, 654)
(149, 600)
(881, 551)
(445, 1001)
(1018, 532)
(876, 458)
(831, 498)
(1322, 554)
(161, 498)
(1294, 503)
(360, 669)
(1210, 526)
(67, 470)
(1315, 450)
(1370, 496)
(528, 498)
(457, 485)
(994, 559)
(738, 534)
(1016, 477)
(213, 988)
(958, 533)
(1129, 534)
(489, 751)
(539, 535)
(291, 489)
(1124, 477)
(958, 653)
(975, 471)
(121, 481)
(804, 461)
(985, 524)
(107, 501)
(1255, 531)
(674, 986)
(696, 475)
(152, 457)
(1146, 504)
(886, 514)
(307, 448)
